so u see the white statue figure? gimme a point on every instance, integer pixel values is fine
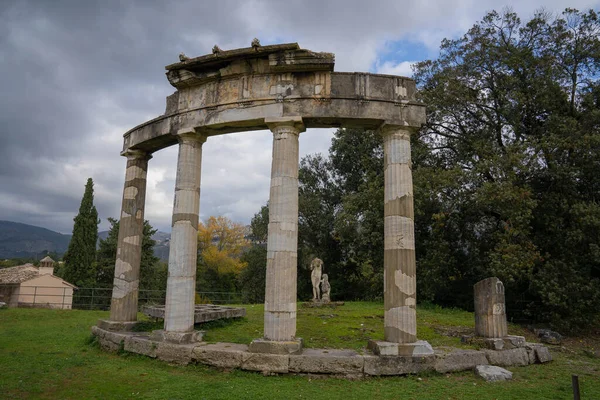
(316, 266)
(325, 289)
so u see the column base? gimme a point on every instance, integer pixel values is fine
(276, 347)
(416, 349)
(116, 326)
(177, 337)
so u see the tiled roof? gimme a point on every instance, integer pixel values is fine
(18, 274)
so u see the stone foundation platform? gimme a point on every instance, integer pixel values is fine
(317, 361)
(202, 313)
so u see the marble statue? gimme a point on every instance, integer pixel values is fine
(325, 289)
(316, 267)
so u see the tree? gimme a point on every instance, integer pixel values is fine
(81, 253)
(153, 273)
(508, 185)
(252, 278)
(221, 243)
(341, 215)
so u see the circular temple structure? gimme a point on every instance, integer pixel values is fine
(285, 89)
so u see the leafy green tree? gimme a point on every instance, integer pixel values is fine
(508, 185)
(253, 276)
(153, 273)
(81, 253)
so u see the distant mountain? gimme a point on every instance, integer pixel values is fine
(27, 241)
(161, 249)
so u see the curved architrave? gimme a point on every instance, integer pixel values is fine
(242, 102)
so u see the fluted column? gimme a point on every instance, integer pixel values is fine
(399, 262)
(282, 242)
(181, 283)
(124, 303)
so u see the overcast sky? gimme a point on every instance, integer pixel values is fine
(75, 75)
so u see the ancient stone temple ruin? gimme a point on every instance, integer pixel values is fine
(285, 89)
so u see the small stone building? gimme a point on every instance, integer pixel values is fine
(31, 286)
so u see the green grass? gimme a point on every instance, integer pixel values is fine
(48, 354)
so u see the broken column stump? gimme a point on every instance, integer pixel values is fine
(490, 310)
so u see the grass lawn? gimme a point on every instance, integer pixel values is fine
(47, 354)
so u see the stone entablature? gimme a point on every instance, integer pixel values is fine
(236, 90)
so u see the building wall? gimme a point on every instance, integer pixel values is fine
(46, 291)
(9, 294)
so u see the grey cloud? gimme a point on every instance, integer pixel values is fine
(75, 75)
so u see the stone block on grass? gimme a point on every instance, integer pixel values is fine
(220, 355)
(321, 361)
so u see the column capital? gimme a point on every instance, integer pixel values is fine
(133, 154)
(387, 129)
(295, 123)
(190, 135)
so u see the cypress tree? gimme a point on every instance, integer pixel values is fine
(81, 255)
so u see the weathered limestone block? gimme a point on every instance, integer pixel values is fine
(319, 361)
(491, 373)
(460, 360)
(175, 353)
(416, 349)
(141, 345)
(512, 341)
(220, 355)
(181, 283)
(494, 344)
(548, 336)
(538, 353)
(507, 358)
(177, 337)
(397, 365)
(124, 302)
(109, 341)
(276, 347)
(490, 310)
(266, 363)
(282, 242)
(117, 326)
(542, 354)
(399, 238)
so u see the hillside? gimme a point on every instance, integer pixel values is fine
(28, 241)
(24, 241)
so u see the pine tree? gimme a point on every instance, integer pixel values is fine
(81, 254)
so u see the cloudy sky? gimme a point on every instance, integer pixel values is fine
(75, 75)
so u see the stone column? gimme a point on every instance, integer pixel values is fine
(124, 303)
(490, 310)
(399, 264)
(399, 239)
(181, 283)
(282, 242)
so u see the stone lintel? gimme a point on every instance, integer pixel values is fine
(117, 326)
(275, 122)
(177, 337)
(276, 347)
(416, 349)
